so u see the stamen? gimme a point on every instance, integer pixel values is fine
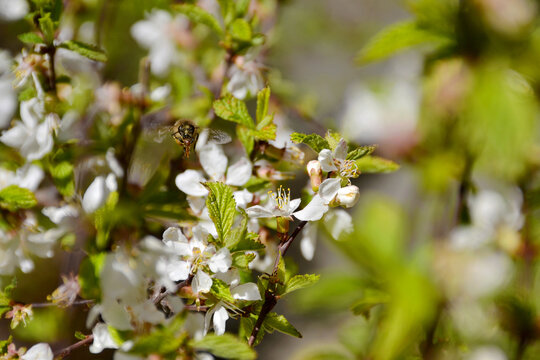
(282, 198)
(347, 168)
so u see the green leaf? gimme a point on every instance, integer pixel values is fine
(242, 260)
(14, 198)
(47, 28)
(30, 38)
(89, 275)
(221, 291)
(104, 220)
(27, 94)
(263, 98)
(226, 346)
(242, 7)
(314, 141)
(228, 10)
(375, 164)
(4, 345)
(246, 137)
(298, 282)
(63, 177)
(221, 207)
(370, 298)
(199, 16)
(239, 239)
(360, 152)
(5, 296)
(278, 322)
(233, 109)
(333, 138)
(240, 30)
(90, 51)
(79, 335)
(161, 341)
(398, 37)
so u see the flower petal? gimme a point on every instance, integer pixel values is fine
(239, 173)
(329, 189)
(213, 161)
(308, 241)
(16, 136)
(102, 339)
(313, 211)
(190, 183)
(221, 261)
(178, 270)
(242, 198)
(340, 152)
(338, 223)
(95, 195)
(258, 211)
(248, 291)
(202, 282)
(220, 318)
(41, 351)
(294, 204)
(327, 160)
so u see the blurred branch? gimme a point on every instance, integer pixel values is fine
(75, 303)
(66, 351)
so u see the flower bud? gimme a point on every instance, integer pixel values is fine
(315, 174)
(348, 196)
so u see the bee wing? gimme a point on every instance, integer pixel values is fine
(219, 137)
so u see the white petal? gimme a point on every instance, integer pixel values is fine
(113, 163)
(294, 204)
(329, 189)
(247, 291)
(40, 144)
(231, 277)
(221, 261)
(95, 196)
(220, 318)
(102, 339)
(196, 203)
(242, 198)
(313, 211)
(327, 160)
(194, 325)
(116, 315)
(258, 211)
(202, 282)
(213, 161)
(162, 55)
(340, 152)
(41, 351)
(174, 234)
(190, 182)
(338, 223)
(239, 173)
(16, 136)
(30, 176)
(178, 270)
(308, 241)
(31, 112)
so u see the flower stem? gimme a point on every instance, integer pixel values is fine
(66, 351)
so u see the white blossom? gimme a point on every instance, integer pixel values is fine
(41, 351)
(102, 339)
(12, 10)
(246, 79)
(280, 204)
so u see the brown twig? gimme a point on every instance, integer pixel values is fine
(75, 303)
(270, 298)
(66, 351)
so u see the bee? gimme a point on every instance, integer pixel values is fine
(186, 134)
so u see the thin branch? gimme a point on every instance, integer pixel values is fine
(66, 351)
(270, 299)
(75, 303)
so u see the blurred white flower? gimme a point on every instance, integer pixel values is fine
(158, 33)
(348, 196)
(246, 79)
(102, 339)
(33, 135)
(11, 10)
(41, 351)
(28, 176)
(219, 316)
(487, 353)
(97, 193)
(336, 161)
(8, 97)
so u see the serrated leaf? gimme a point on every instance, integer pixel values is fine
(370, 298)
(263, 98)
(246, 138)
(242, 260)
(360, 152)
(47, 27)
(333, 139)
(228, 10)
(233, 109)
(278, 322)
(375, 164)
(398, 37)
(30, 38)
(89, 275)
(221, 207)
(5, 296)
(160, 341)
(63, 177)
(90, 51)
(226, 346)
(298, 282)
(240, 30)
(14, 198)
(267, 132)
(240, 240)
(199, 16)
(221, 291)
(314, 141)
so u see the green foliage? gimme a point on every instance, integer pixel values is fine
(225, 346)
(375, 164)
(263, 99)
(14, 198)
(220, 289)
(233, 109)
(314, 141)
(47, 27)
(199, 16)
(221, 207)
(46, 325)
(86, 50)
(399, 37)
(105, 218)
(165, 340)
(63, 177)
(298, 282)
(5, 296)
(90, 274)
(240, 30)
(30, 38)
(278, 322)
(360, 152)
(242, 260)
(370, 298)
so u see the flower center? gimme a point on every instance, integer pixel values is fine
(347, 168)
(282, 198)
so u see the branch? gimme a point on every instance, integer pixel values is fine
(66, 351)
(75, 303)
(270, 299)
